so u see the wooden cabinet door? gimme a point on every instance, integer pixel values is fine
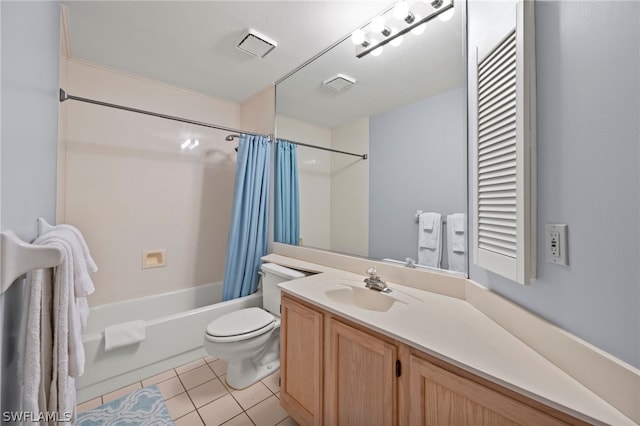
(439, 397)
(301, 359)
(360, 386)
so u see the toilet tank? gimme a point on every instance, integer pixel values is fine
(273, 274)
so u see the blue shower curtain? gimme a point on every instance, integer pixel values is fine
(247, 241)
(287, 210)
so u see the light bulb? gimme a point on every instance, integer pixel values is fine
(185, 144)
(401, 10)
(377, 24)
(194, 144)
(378, 50)
(358, 37)
(396, 41)
(445, 16)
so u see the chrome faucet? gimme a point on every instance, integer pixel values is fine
(374, 282)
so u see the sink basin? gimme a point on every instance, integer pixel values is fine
(362, 298)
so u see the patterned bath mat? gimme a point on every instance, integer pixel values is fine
(142, 407)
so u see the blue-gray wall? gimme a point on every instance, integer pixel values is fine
(588, 110)
(28, 139)
(416, 162)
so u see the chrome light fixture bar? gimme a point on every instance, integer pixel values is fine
(406, 15)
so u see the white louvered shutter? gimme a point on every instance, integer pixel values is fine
(505, 167)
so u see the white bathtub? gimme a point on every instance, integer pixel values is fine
(175, 326)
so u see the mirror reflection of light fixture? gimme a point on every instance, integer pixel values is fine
(189, 144)
(397, 41)
(445, 16)
(405, 16)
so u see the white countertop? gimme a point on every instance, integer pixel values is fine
(454, 331)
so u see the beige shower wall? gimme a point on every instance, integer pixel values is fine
(334, 188)
(129, 187)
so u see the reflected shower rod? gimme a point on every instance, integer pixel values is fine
(64, 96)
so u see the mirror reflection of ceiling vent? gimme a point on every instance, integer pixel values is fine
(256, 44)
(339, 82)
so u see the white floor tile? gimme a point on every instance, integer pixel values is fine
(159, 378)
(170, 388)
(219, 367)
(179, 405)
(267, 413)
(196, 377)
(207, 392)
(191, 419)
(219, 411)
(272, 382)
(239, 420)
(250, 396)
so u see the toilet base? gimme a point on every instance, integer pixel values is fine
(244, 373)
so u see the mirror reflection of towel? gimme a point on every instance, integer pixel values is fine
(456, 242)
(429, 240)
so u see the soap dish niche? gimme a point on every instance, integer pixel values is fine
(154, 258)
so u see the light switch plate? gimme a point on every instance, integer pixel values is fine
(556, 244)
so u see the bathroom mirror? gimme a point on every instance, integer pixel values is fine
(407, 111)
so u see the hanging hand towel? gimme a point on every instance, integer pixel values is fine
(455, 242)
(427, 234)
(429, 242)
(124, 334)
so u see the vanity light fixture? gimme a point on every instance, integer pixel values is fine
(389, 27)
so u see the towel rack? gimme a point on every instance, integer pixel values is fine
(419, 212)
(18, 257)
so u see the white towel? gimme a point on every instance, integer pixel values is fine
(428, 236)
(455, 242)
(50, 388)
(83, 264)
(458, 222)
(124, 334)
(427, 220)
(54, 354)
(430, 242)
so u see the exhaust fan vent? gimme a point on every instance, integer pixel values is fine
(256, 44)
(339, 82)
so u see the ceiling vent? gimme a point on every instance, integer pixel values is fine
(256, 44)
(339, 82)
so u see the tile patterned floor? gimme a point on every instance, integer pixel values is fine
(197, 394)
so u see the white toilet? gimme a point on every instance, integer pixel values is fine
(249, 339)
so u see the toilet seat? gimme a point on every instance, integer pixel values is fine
(240, 325)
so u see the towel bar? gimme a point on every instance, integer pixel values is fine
(419, 212)
(18, 257)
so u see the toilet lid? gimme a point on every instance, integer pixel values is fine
(250, 321)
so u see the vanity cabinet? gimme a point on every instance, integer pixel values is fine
(440, 397)
(360, 380)
(334, 372)
(301, 362)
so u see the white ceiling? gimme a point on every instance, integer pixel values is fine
(192, 44)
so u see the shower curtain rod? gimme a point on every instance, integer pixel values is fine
(363, 156)
(64, 96)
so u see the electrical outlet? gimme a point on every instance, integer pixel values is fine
(556, 244)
